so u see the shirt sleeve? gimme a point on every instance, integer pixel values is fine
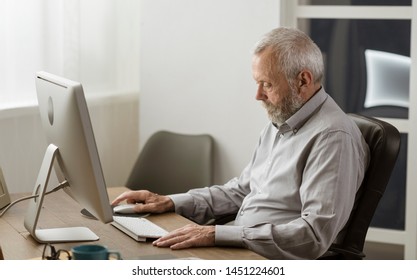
(331, 177)
(210, 203)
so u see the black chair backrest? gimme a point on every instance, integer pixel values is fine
(383, 140)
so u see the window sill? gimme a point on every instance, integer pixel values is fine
(10, 110)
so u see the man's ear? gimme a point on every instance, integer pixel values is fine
(305, 82)
(305, 78)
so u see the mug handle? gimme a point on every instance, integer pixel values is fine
(115, 253)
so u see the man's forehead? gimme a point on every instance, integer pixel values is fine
(264, 64)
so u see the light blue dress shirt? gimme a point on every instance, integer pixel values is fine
(295, 196)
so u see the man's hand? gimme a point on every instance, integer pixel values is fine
(148, 202)
(188, 236)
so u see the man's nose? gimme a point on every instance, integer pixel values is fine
(260, 94)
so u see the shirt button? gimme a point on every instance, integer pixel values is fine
(242, 212)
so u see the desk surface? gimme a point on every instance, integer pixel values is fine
(61, 211)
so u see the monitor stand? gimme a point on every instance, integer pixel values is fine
(53, 235)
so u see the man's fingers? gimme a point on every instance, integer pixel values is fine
(151, 202)
(187, 236)
(166, 240)
(131, 197)
(148, 208)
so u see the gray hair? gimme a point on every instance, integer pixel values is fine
(293, 51)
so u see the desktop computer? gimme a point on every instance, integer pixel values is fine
(72, 153)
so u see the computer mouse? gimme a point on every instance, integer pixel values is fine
(124, 209)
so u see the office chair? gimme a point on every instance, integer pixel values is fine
(173, 163)
(383, 140)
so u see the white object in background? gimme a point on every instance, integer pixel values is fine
(388, 79)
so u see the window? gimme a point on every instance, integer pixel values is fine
(95, 42)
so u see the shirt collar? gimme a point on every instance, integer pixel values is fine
(296, 121)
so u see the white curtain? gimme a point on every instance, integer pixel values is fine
(95, 42)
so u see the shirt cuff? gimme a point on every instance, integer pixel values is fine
(182, 201)
(229, 236)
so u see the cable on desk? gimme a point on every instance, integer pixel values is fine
(57, 188)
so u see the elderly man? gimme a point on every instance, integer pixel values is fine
(294, 197)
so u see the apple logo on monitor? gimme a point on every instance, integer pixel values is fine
(50, 110)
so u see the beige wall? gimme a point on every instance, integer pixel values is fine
(196, 73)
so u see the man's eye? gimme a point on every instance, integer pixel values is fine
(266, 85)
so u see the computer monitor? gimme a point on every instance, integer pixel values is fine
(72, 153)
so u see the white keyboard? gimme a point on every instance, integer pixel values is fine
(138, 228)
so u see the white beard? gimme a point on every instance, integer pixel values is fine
(278, 114)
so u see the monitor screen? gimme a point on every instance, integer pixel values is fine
(72, 152)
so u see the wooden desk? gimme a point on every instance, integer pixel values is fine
(61, 211)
